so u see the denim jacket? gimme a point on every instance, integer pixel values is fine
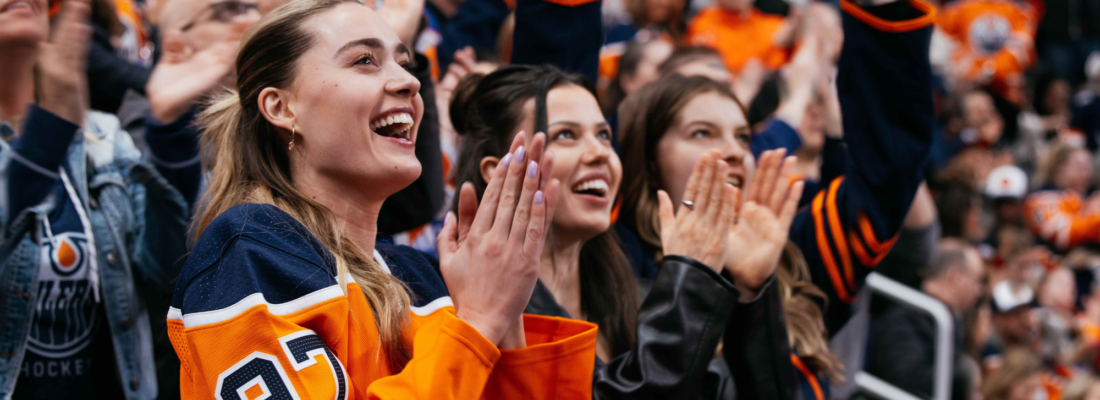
(139, 222)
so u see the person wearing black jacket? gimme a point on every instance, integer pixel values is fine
(662, 347)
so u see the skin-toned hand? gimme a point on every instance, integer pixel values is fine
(757, 239)
(701, 232)
(463, 64)
(489, 254)
(61, 64)
(183, 77)
(404, 16)
(799, 76)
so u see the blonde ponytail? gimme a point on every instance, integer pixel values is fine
(247, 160)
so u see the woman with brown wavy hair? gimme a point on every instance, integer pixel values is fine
(699, 116)
(884, 84)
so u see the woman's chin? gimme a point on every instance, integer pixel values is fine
(584, 227)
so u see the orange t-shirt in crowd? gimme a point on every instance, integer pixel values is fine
(996, 37)
(738, 39)
(1062, 218)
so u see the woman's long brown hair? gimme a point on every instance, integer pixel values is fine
(644, 118)
(248, 163)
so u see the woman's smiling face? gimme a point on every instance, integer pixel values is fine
(584, 161)
(355, 102)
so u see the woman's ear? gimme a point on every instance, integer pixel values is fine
(275, 106)
(488, 164)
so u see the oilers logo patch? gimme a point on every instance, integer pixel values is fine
(65, 312)
(989, 33)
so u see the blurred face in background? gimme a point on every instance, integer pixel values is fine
(1014, 327)
(966, 282)
(1008, 211)
(23, 23)
(1056, 98)
(1059, 290)
(654, 53)
(709, 121)
(710, 67)
(203, 23)
(658, 12)
(1075, 173)
(584, 161)
(981, 115)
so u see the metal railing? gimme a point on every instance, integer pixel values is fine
(945, 345)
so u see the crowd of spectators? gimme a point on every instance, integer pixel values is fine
(1004, 230)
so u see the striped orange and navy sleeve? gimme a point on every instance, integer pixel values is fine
(885, 90)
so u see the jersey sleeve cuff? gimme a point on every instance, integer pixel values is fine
(556, 364)
(175, 144)
(45, 140)
(464, 333)
(551, 338)
(876, 17)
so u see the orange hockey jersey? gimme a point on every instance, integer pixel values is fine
(738, 39)
(258, 313)
(1061, 219)
(996, 38)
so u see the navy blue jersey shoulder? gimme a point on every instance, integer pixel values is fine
(259, 248)
(418, 270)
(248, 249)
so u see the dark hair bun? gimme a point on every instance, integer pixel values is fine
(462, 103)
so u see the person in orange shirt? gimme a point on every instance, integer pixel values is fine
(994, 42)
(1058, 212)
(740, 33)
(287, 295)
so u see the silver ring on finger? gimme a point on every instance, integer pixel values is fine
(689, 204)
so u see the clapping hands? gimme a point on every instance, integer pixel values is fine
(700, 230)
(489, 254)
(757, 239)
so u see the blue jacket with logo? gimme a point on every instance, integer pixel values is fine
(138, 220)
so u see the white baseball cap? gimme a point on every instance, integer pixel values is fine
(1006, 298)
(1007, 181)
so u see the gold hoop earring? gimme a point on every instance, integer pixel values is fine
(293, 131)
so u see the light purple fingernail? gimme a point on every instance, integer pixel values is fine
(447, 219)
(532, 169)
(520, 153)
(507, 160)
(538, 197)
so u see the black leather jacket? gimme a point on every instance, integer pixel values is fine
(680, 322)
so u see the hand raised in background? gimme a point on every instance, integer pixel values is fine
(184, 75)
(62, 64)
(489, 254)
(404, 16)
(758, 237)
